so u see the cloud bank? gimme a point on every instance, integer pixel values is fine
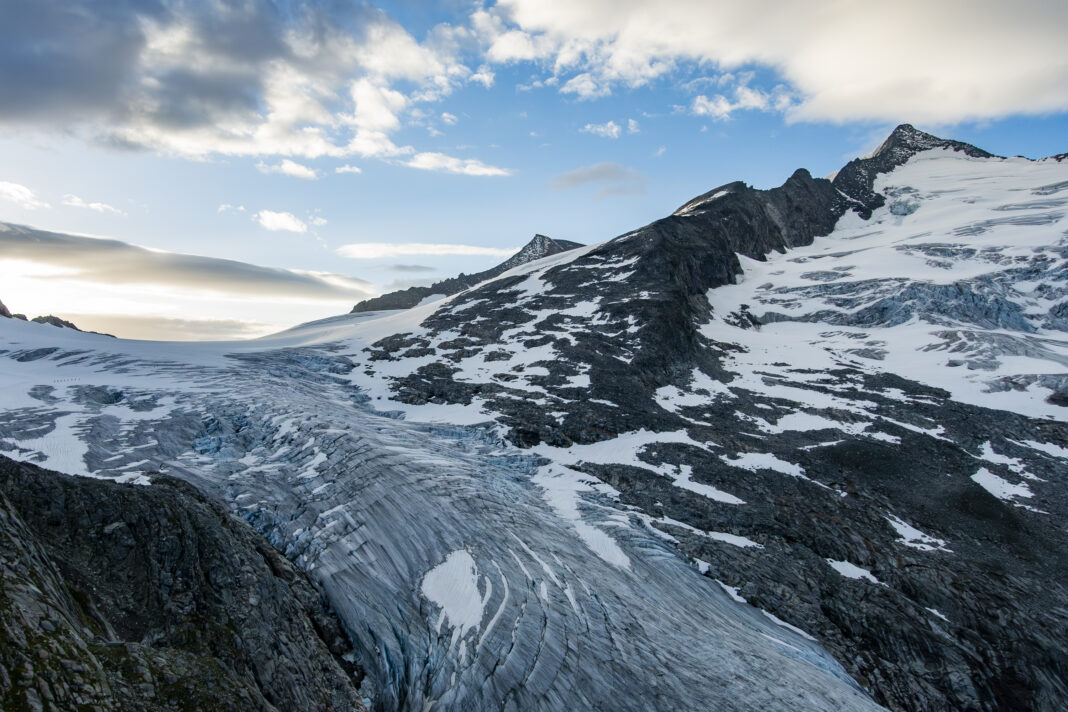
(940, 62)
(257, 78)
(113, 262)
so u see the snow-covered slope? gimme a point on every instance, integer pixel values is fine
(688, 468)
(959, 282)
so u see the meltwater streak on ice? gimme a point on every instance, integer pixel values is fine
(388, 504)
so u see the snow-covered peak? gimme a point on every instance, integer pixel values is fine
(540, 246)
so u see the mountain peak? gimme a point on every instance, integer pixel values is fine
(906, 141)
(857, 178)
(540, 246)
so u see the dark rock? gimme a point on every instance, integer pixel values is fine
(126, 597)
(55, 321)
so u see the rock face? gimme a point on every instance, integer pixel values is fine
(123, 597)
(54, 321)
(540, 246)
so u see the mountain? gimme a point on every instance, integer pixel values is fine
(541, 246)
(793, 449)
(120, 597)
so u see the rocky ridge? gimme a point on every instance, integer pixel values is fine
(540, 246)
(123, 597)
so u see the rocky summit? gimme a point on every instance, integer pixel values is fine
(539, 247)
(793, 449)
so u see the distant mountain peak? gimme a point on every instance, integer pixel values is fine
(540, 246)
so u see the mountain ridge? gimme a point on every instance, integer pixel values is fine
(540, 246)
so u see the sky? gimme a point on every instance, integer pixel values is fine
(216, 169)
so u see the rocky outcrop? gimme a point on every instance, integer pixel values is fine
(55, 321)
(540, 246)
(127, 597)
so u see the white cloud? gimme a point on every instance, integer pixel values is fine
(606, 130)
(227, 207)
(632, 126)
(289, 168)
(483, 76)
(348, 169)
(719, 107)
(451, 164)
(75, 202)
(585, 87)
(21, 195)
(909, 60)
(275, 221)
(660, 151)
(318, 221)
(375, 106)
(376, 250)
(449, 119)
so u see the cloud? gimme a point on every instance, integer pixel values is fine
(196, 79)
(720, 108)
(113, 262)
(163, 328)
(288, 168)
(318, 221)
(412, 268)
(612, 179)
(348, 169)
(21, 196)
(377, 250)
(606, 130)
(227, 207)
(909, 60)
(632, 126)
(483, 76)
(449, 119)
(585, 87)
(450, 164)
(287, 222)
(75, 202)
